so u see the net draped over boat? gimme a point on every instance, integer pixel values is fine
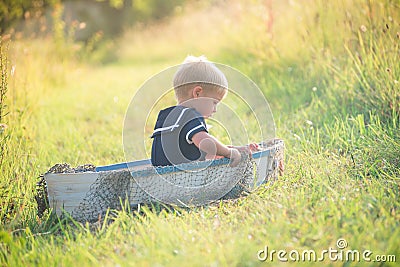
(185, 185)
(189, 186)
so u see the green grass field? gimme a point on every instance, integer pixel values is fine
(330, 71)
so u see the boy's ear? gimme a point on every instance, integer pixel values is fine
(197, 91)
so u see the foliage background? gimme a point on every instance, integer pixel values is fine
(330, 72)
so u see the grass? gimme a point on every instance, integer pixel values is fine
(331, 75)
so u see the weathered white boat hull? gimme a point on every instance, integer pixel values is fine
(66, 191)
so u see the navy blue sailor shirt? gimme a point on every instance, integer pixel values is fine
(172, 136)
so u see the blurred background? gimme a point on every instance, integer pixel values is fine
(84, 60)
(329, 70)
(85, 18)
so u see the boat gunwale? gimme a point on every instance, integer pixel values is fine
(177, 168)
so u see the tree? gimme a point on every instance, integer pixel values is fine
(13, 10)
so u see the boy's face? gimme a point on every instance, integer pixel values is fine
(205, 102)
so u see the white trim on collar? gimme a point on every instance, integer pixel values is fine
(172, 127)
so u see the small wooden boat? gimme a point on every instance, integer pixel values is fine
(87, 193)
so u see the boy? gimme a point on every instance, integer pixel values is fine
(180, 134)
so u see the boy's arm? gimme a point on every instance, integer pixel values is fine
(212, 147)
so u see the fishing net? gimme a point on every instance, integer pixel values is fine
(185, 185)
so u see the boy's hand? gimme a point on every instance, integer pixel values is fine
(254, 147)
(235, 157)
(247, 149)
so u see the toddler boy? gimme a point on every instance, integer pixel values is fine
(180, 134)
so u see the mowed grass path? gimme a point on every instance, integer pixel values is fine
(342, 170)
